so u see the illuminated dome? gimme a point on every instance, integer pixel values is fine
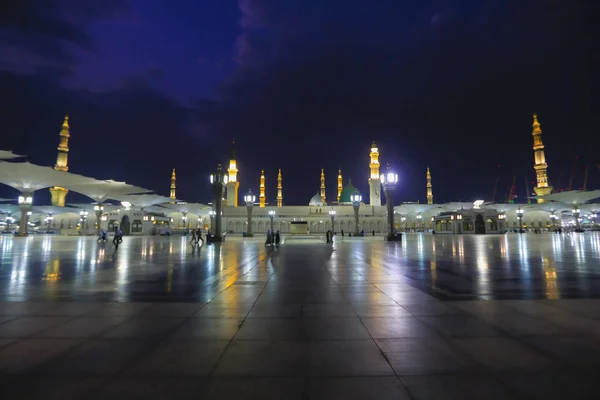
(348, 191)
(316, 200)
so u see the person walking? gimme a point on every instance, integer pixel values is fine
(199, 236)
(193, 241)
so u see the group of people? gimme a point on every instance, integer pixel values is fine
(196, 237)
(117, 239)
(329, 236)
(273, 239)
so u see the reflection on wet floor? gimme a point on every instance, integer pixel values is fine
(512, 266)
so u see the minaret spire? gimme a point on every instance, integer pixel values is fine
(339, 185)
(279, 189)
(59, 194)
(262, 198)
(429, 188)
(540, 166)
(173, 186)
(374, 181)
(323, 185)
(232, 183)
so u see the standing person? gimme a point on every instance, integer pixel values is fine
(116, 237)
(269, 239)
(373, 232)
(199, 236)
(342, 232)
(277, 239)
(193, 241)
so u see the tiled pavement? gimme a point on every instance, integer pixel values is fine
(303, 323)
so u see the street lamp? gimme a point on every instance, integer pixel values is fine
(576, 213)
(25, 203)
(271, 216)
(84, 215)
(49, 219)
(332, 215)
(98, 210)
(212, 213)
(520, 213)
(389, 181)
(419, 221)
(356, 198)
(250, 199)
(218, 181)
(553, 218)
(593, 218)
(403, 220)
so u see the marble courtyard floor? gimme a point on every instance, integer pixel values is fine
(435, 317)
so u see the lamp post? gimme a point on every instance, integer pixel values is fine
(212, 213)
(419, 222)
(576, 214)
(356, 198)
(389, 181)
(403, 220)
(98, 210)
(553, 218)
(332, 215)
(593, 218)
(271, 216)
(83, 214)
(49, 219)
(9, 221)
(219, 181)
(250, 199)
(25, 203)
(520, 213)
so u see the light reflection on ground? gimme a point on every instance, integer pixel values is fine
(159, 269)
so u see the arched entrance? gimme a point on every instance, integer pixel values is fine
(479, 224)
(125, 225)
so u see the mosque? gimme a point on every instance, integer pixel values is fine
(139, 211)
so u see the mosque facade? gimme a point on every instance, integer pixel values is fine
(317, 212)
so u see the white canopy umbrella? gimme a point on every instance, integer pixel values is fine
(146, 200)
(105, 190)
(8, 155)
(572, 196)
(27, 178)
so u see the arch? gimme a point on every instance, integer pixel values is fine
(238, 227)
(125, 225)
(379, 226)
(230, 226)
(479, 224)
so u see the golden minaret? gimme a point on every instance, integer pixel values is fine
(262, 197)
(323, 185)
(59, 194)
(339, 187)
(173, 186)
(429, 188)
(279, 189)
(540, 165)
(233, 185)
(374, 181)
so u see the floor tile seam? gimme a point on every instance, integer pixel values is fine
(519, 339)
(216, 364)
(32, 336)
(233, 269)
(372, 339)
(96, 336)
(485, 370)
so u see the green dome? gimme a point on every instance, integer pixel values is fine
(348, 191)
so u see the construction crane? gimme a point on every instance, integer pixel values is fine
(585, 178)
(496, 186)
(511, 192)
(572, 173)
(527, 190)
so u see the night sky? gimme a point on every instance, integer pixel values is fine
(152, 85)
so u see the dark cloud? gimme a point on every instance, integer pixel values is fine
(38, 35)
(451, 84)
